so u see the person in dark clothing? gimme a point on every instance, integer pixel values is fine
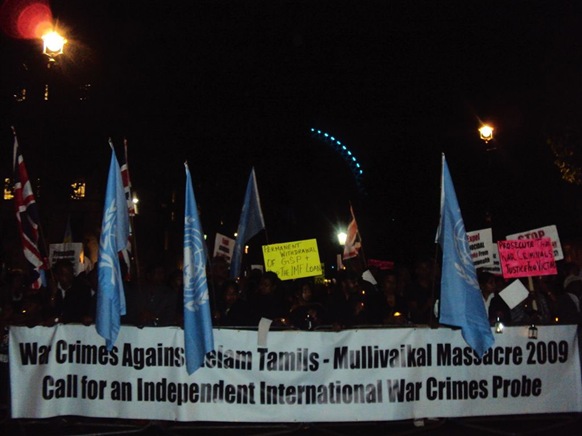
(232, 310)
(71, 298)
(269, 300)
(393, 307)
(305, 312)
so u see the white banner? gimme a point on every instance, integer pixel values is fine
(543, 232)
(352, 375)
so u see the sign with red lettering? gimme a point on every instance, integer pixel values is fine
(223, 247)
(542, 232)
(527, 257)
(382, 265)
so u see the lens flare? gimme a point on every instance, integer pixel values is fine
(26, 19)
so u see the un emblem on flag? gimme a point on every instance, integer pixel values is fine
(463, 262)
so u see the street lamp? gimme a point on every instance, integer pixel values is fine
(53, 45)
(341, 238)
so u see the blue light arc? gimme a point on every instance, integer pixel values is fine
(347, 155)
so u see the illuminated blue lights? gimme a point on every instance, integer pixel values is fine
(346, 154)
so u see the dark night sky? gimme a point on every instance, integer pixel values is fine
(234, 84)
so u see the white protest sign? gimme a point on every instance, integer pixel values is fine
(496, 268)
(223, 246)
(71, 251)
(514, 294)
(481, 245)
(543, 232)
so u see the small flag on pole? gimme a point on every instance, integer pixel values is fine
(353, 244)
(251, 222)
(198, 336)
(462, 303)
(126, 252)
(114, 234)
(127, 181)
(27, 218)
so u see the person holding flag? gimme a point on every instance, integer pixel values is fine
(114, 237)
(198, 335)
(250, 223)
(462, 304)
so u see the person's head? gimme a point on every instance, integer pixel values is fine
(487, 283)
(423, 269)
(304, 291)
(268, 283)
(64, 273)
(230, 293)
(389, 283)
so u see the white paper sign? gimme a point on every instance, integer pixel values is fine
(223, 246)
(481, 245)
(543, 232)
(514, 294)
(71, 251)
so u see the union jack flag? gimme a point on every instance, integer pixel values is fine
(27, 218)
(353, 243)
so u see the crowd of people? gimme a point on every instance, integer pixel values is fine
(396, 297)
(401, 296)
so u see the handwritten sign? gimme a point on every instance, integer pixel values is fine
(480, 243)
(527, 257)
(543, 232)
(496, 267)
(293, 260)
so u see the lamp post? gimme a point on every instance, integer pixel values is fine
(341, 239)
(486, 135)
(53, 45)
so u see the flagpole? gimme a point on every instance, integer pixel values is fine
(432, 320)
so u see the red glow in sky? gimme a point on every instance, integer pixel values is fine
(26, 19)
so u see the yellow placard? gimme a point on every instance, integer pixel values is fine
(293, 260)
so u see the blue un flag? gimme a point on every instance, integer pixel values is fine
(198, 336)
(114, 234)
(250, 223)
(462, 303)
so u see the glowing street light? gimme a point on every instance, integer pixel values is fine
(341, 238)
(53, 45)
(486, 133)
